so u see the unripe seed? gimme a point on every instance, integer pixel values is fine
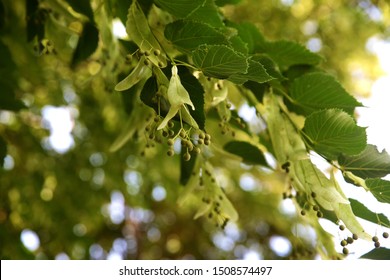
(343, 243)
(349, 240)
(156, 52)
(207, 142)
(341, 227)
(303, 212)
(377, 244)
(345, 251)
(170, 153)
(170, 142)
(197, 150)
(201, 135)
(385, 235)
(187, 156)
(375, 238)
(313, 194)
(319, 214)
(147, 53)
(355, 236)
(170, 124)
(200, 141)
(316, 208)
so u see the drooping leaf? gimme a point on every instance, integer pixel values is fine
(249, 153)
(82, 7)
(87, 43)
(188, 35)
(380, 189)
(219, 61)
(333, 132)
(256, 72)
(288, 53)
(377, 254)
(363, 212)
(316, 91)
(180, 8)
(186, 167)
(141, 71)
(368, 164)
(196, 92)
(344, 212)
(137, 27)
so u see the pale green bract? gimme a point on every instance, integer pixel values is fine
(304, 176)
(178, 98)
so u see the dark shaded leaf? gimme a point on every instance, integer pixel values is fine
(368, 164)
(196, 92)
(227, 2)
(3, 151)
(2, 15)
(333, 132)
(35, 18)
(316, 91)
(360, 210)
(188, 35)
(250, 154)
(377, 254)
(82, 7)
(219, 61)
(179, 8)
(186, 167)
(380, 189)
(148, 93)
(87, 43)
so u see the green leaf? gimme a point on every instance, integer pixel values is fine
(226, 2)
(180, 8)
(141, 71)
(368, 164)
(87, 43)
(219, 61)
(333, 132)
(249, 153)
(186, 167)
(363, 212)
(377, 254)
(137, 27)
(208, 13)
(82, 7)
(35, 17)
(288, 53)
(380, 189)
(148, 93)
(316, 91)
(188, 35)
(248, 34)
(3, 151)
(2, 15)
(256, 72)
(196, 92)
